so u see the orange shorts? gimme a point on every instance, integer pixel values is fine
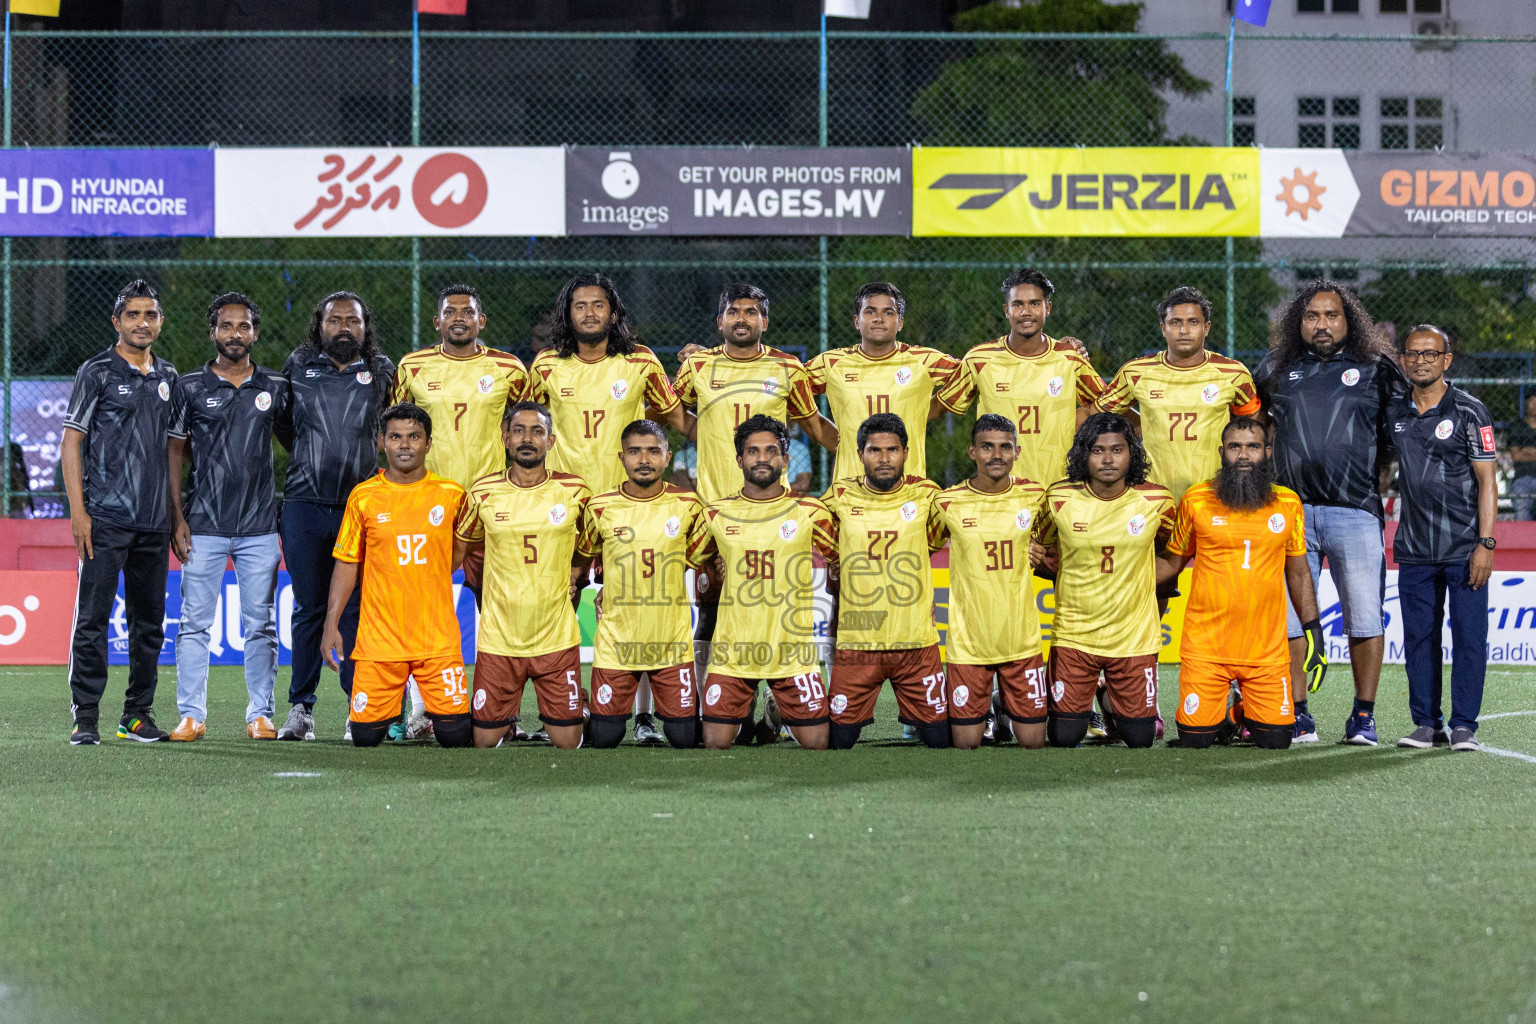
(917, 676)
(613, 692)
(379, 686)
(1204, 685)
(1022, 683)
(802, 700)
(1131, 682)
(499, 681)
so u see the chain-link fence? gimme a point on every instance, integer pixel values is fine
(625, 89)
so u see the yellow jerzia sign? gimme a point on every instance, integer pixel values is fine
(1131, 191)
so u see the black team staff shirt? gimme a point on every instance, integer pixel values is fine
(1435, 479)
(1329, 425)
(331, 424)
(125, 416)
(228, 430)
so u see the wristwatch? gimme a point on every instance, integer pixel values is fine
(1488, 542)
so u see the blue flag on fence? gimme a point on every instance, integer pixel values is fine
(1254, 12)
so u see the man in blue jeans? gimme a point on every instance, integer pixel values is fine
(340, 383)
(224, 413)
(1444, 544)
(1326, 384)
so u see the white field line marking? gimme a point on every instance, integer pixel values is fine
(1510, 753)
(1504, 714)
(296, 775)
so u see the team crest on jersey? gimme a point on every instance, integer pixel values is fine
(164, 390)
(359, 702)
(435, 517)
(672, 526)
(903, 376)
(712, 695)
(364, 377)
(1350, 377)
(771, 386)
(1444, 428)
(1023, 519)
(1058, 690)
(1054, 387)
(962, 694)
(479, 699)
(619, 389)
(1136, 525)
(788, 528)
(485, 384)
(1191, 703)
(839, 703)
(1209, 393)
(604, 694)
(263, 401)
(1277, 523)
(557, 514)
(909, 511)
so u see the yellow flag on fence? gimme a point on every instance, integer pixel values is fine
(44, 8)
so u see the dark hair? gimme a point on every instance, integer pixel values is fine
(879, 288)
(1364, 343)
(650, 427)
(458, 289)
(1106, 423)
(138, 288)
(233, 299)
(1445, 336)
(406, 411)
(1184, 295)
(526, 406)
(761, 424)
(992, 421)
(368, 348)
(562, 336)
(1028, 276)
(882, 423)
(1242, 423)
(743, 290)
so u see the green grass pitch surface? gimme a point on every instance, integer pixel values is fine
(408, 883)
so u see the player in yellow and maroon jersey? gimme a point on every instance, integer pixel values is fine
(994, 628)
(885, 527)
(767, 536)
(881, 374)
(1104, 525)
(644, 626)
(1185, 394)
(1046, 386)
(529, 518)
(400, 523)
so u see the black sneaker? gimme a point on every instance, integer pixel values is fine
(141, 728)
(84, 734)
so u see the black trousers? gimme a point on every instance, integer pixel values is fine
(141, 557)
(309, 533)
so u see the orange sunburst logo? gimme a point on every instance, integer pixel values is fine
(1287, 194)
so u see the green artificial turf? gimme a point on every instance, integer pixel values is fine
(194, 883)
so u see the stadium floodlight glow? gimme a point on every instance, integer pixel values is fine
(846, 8)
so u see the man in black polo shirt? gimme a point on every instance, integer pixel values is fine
(115, 474)
(1326, 384)
(224, 413)
(1444, 544)
(340, 382)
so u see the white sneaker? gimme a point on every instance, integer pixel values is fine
(347, 736)
(419, 727)
(300, 724)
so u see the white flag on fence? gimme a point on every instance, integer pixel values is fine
(846, 8)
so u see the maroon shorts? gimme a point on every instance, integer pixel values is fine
(1130, 682)
(613, 692)
(1022, 684)
(499, 682)
(917, 676)
(802, 700)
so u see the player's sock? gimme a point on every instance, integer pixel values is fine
(682, 733)
(1365, 707)
(1269, 737)
(453, 730)
(369, 734)
(1197, 737)
(1138, 733)
(415, 694)
(934, 734)
(604, 732)
(1301, 708)
(645, 703)
(843, 737)
(1066, 730)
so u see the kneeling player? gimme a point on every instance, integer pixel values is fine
(1105, 523)
(528, 518)
(885, 524)
(400, 523)
(994, 628)
(641, 531)
(765, 534)
(1249, 547)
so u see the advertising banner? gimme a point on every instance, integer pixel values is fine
(37, 428)
(388, 192)
(768, 191)
(1444, 194)
(37, 614)
(105, 193)
(1172, 191)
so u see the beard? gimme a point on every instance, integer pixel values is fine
(529, 459)
(1245, 490)
(343, 348)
